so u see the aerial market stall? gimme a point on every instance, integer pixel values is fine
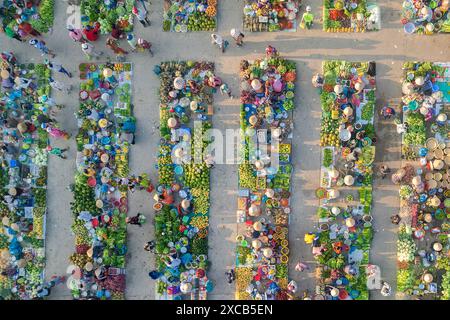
(39, 14)
(190, 15)
(341, 246)
(270, 15)
(23, 177)
(182, 200)
(107, 14)
(350, 16)
(426, 17)
(97, 269)
(423, 245)
(264, 208)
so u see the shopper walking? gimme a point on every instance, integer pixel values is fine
(238, 36)
(132, 41)
(224, 89)
(76, 34)
(219, 42)
(307, 19)
(138, 219)
(89, 50)
(57, 133)
(57, 68)
(141, 15)
(57, 151)
(41, 46)
(143, 45)
(112, 44)
(300, 267)
(150, 246)
(57, 85)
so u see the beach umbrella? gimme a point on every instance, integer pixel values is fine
(438, 164)
(107, 72)
(334, 174)
(267, 252)
(437, 247)
(259, 164)
(349, 180)
(348, 111)
(185, 287)
(350, 222)
(407, 88)
(419, 81)
(257, 226)
(179, 83)
(253, 120)
(256, 244)
(435, 201)
(185, 204)
(254, 210)
(270, 193)
(256, 84)
(334, 292)
(333, 193)
(338, 89)
(5, 221)
(172, 122)
(427, 277)
(4, 74)
(416, 180)
(88, 266)
(335, 210)
(194, 105)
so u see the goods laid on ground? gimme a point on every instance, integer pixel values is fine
(342, 244)
(190, 15)
(106, 130)
(267, 104)
(39, 14)
(182, 199)
(350, 16)
(424, 179)
(23, 177)
(426, 17)
(271, 15)
(108, 14)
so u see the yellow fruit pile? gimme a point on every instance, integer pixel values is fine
(200, 222)
(244, 276)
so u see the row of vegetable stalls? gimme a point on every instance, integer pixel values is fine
(23, 182)
(272, 15)
(264, 208)
(350, 16)
(423, 246)
(108, 14)
(426, 17)
(40, 14)
(100, 201)
(190, 15)
(342, 243)
(183, 196)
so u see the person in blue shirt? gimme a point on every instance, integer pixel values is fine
(128, 127)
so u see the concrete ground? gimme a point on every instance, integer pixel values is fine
(388, 47)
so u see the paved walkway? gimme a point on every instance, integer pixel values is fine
(389, 48)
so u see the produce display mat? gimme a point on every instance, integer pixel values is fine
(424, 189)
(117, 13)
(344, 213)
(351, 16)
(22, 234)
(40, 14)
(183, 202)
(262, 253)
(100, 203)
(190, 15)
(271, 16)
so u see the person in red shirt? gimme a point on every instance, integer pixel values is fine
(117, 33)
(27, 29)
(92, 33)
